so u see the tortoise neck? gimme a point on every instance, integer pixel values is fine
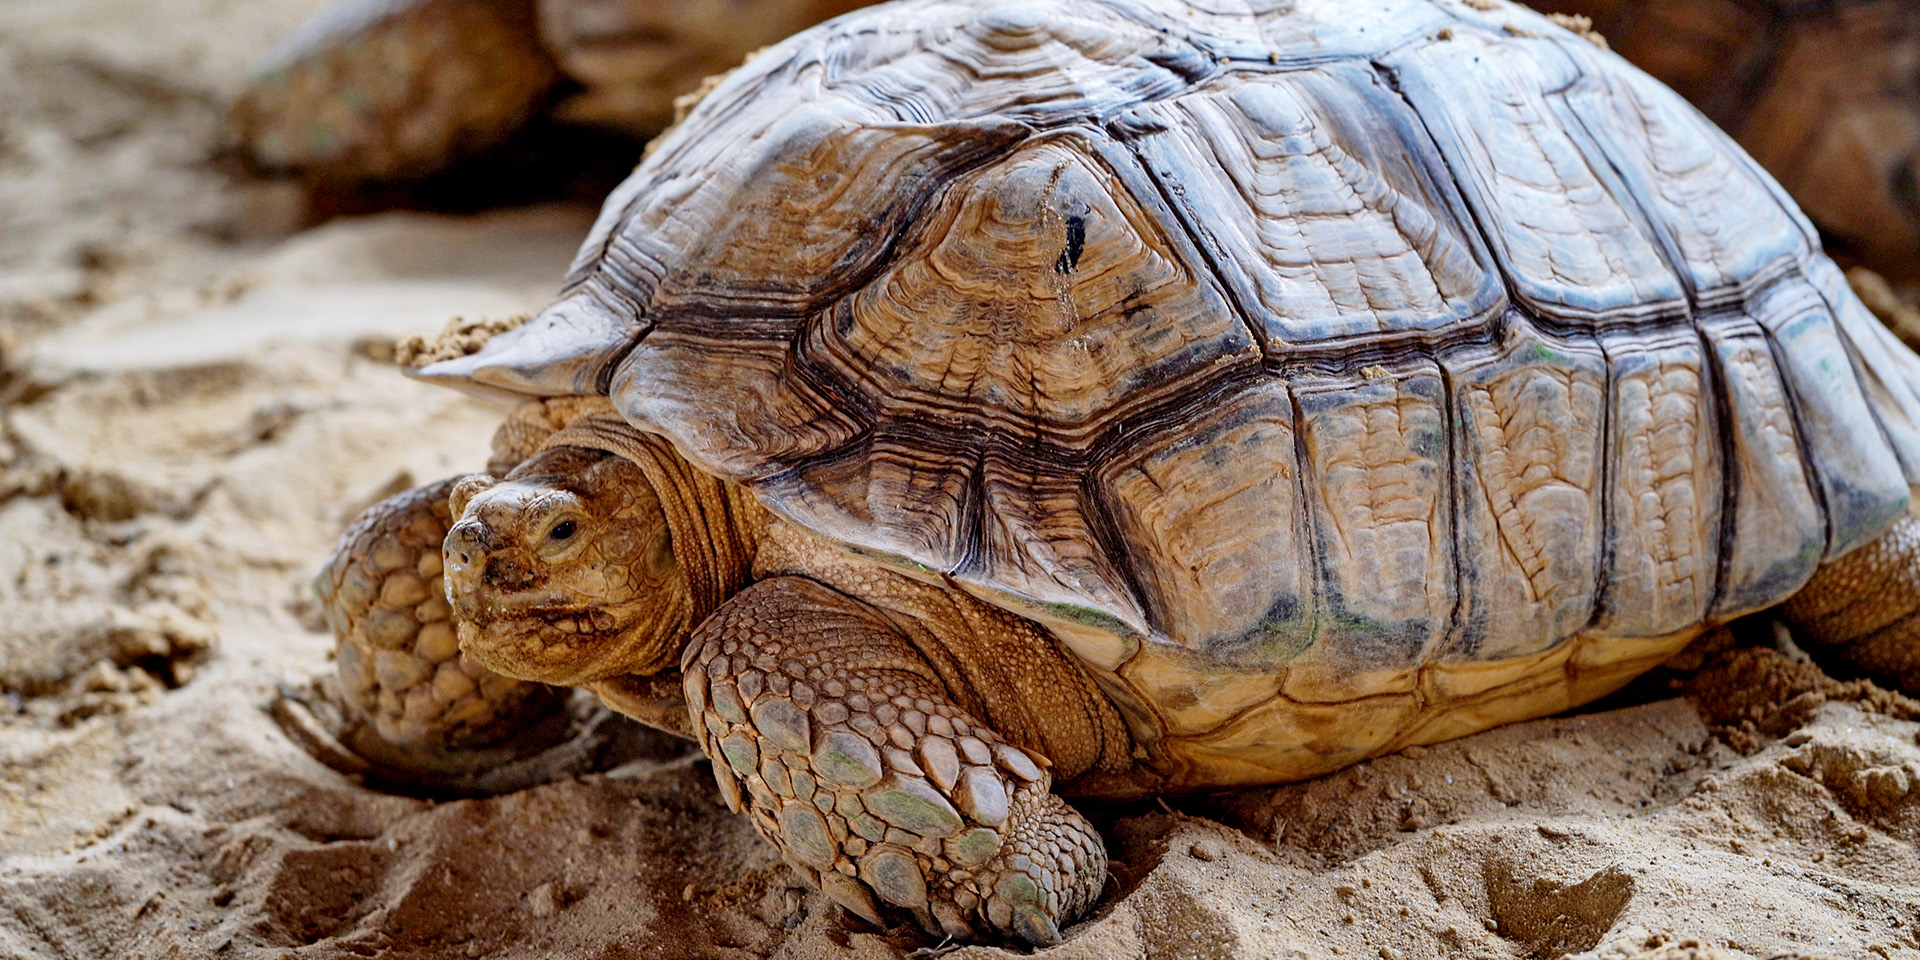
(715, 525)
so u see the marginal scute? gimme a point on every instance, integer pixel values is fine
(1377, 468)
(1285, 740)
(1779, 532)
(1527, 490)
(1666, 470)
(563, 350)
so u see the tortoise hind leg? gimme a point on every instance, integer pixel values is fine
(1862, 610)
(405, 709)
(849, 754)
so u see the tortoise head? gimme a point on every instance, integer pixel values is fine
(563, 572)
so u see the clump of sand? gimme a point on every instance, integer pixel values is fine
(194, 399)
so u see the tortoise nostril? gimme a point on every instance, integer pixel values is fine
(466, 541)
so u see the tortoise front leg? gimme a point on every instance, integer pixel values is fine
(1863, 609)
(826, 723)
(408, 709)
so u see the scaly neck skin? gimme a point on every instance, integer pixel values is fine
(714, 526)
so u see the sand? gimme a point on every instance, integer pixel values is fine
(195, 401)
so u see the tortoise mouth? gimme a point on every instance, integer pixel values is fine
(545, 616)
(567, 644)
(526, 609)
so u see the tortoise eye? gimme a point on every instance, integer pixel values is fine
(562, 530)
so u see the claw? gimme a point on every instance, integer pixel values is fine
(293, 710)
(1034, 926)
(1029, 913)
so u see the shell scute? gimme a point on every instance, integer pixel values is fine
(1042, 556)
(1039, 293)
(796, 216)
(1216, 517)
(1718, 217)
(1861, 483)
(1779, 532)
(1040, 301)
(1889, 374)
(1528, 490)
(1666, 467)
(1376, 455)
(1043, 63)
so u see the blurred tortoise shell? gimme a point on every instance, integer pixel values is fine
(1328, 375)
(397, 89)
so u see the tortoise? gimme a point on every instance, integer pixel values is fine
(400, 89)
(1824, 95)
(974, 405)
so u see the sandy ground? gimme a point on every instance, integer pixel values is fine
(191, 405)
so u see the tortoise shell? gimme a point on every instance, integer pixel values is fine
(1301, 365)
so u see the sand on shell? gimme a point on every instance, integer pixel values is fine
(194, 403)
